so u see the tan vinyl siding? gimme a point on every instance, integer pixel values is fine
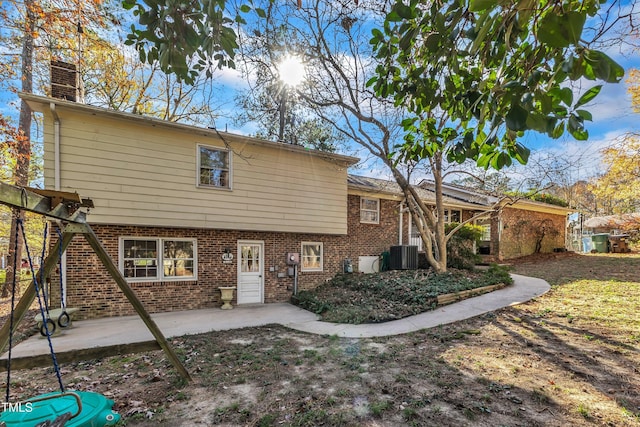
(140, 174)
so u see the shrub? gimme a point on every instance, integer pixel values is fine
(310, 301)
(497, 274)
(540, 197)
(460, 253)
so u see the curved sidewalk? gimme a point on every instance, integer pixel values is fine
(95, 338)
(523, 289)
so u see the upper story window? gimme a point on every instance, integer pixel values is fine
(369, 210)
(214, 167)
(149, 259)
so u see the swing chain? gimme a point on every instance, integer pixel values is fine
(12, 315)
(40, 304)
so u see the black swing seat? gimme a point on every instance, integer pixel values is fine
(57, 317)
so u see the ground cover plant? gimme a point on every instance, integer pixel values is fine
(569, 358)
(391, 295)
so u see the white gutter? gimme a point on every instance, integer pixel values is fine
(56, 147)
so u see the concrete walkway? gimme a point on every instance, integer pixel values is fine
(119, 335)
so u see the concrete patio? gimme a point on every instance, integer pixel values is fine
(97, 338)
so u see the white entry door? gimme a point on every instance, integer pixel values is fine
(250, 272)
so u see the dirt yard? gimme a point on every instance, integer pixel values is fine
(569, 358)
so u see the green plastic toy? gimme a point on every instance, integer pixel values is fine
(81, 408)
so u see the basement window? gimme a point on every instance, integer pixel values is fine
(154, 259)
(311, 256)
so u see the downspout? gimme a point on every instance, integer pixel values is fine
(56, 147)
(56, 186)
(400, 223)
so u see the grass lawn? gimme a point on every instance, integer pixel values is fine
(568, 358)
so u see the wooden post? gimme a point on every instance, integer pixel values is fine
(102, 254)
(25, 199)
(30, 293)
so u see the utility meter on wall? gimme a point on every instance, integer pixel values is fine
(293, 258)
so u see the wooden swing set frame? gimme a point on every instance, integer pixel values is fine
(64, 206)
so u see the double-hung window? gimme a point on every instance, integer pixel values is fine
(369, 210)
(311, 256)
(452, 215)
(486, 232)
(148, 259)
(214, 167)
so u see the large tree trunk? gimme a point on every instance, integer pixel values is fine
(430, 224)
(23, 152)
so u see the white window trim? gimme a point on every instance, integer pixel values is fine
(229, 161)
(486, 232)
(448, 215)
(160, 245)
(414, 239)
(370, 210)
(302, 268)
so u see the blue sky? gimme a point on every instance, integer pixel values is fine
(612, 118)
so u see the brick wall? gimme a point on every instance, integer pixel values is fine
(521, 229)
(90, 288)
(372, 239)
(64, 81)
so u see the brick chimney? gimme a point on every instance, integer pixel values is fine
(64, 81)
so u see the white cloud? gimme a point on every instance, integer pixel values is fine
(613, 102)
(230, 77)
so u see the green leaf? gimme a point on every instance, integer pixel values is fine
(245, 8)
(483, 161)
(403, 11)
(584, 115)
(566, 95)
(604, 68)
(588, 96)
(393, 17)
(576, 128)
(377, 36)
(433, 41)
(558, 131)
(485, 26)
(407, 40)
(480, 5)
(580, 134)
(526, 8)
(500, 160)
(516, 118)
(128, 4)
(573, 25)
(561, 31)
(537, 122)
(522, 154)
